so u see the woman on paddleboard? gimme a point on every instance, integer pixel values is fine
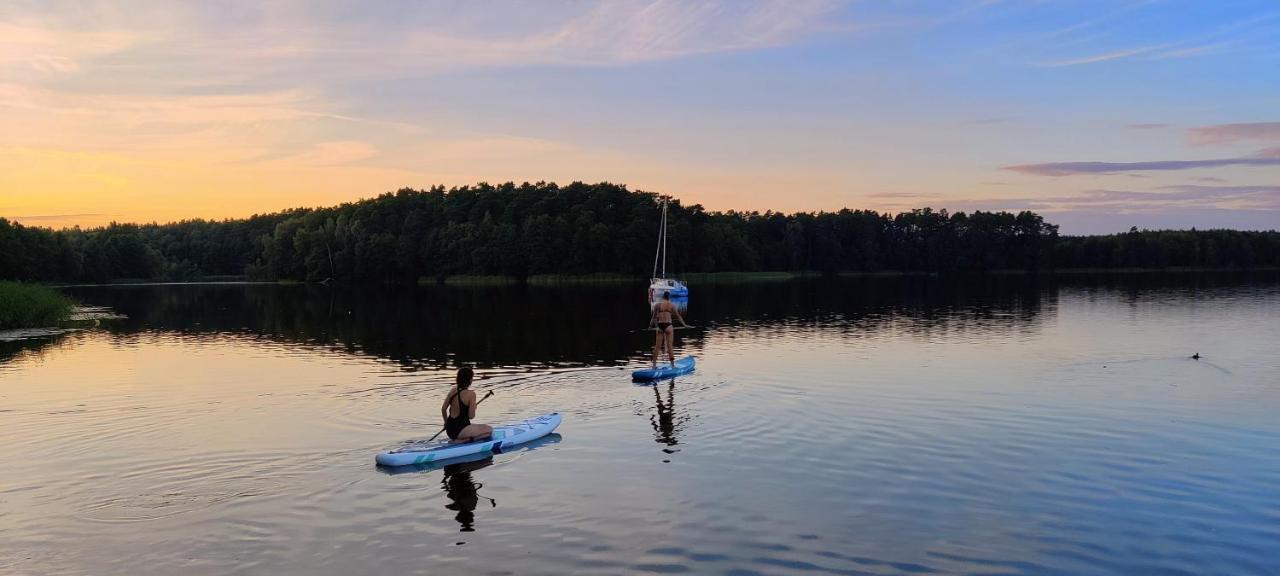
(459, 409)
(665, 335)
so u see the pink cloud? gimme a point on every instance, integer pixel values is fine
(1077, 168)
(1229, 133)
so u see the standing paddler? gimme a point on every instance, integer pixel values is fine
(664, 336)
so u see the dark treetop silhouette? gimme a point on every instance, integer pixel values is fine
(528, 229)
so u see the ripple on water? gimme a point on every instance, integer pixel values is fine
(967, 440)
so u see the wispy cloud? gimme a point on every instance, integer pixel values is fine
(1185, 196)
(1151, 52)
(1109, 211)
(1164, 197)
(54, 217)
(1106, 56)
(1241, 35)
(1229, 133)
(1253, 197)
(29, 46)
(1077, 168)
(335, 153)
(300, 40)
(138, 75)
(1106, 220)
(152, 50)
(1192, 51)
(628, 31)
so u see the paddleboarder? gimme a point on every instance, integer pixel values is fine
(665, 334)
(459, 409)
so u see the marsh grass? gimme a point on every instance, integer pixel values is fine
(480, 280)
(741, 277)
(31, 306)
(562, 279)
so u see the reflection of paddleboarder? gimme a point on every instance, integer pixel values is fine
(664, 337)
(463, 493)
(665, 423)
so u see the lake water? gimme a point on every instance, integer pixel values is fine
(874, 426)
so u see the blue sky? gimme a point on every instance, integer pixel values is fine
(1100, 115)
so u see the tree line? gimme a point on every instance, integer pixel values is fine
(543, 228)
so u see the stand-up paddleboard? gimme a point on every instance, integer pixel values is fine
(505, 436)
(682, 366)
(480, 457)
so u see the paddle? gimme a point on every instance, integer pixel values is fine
(654, 328)
(477, 404)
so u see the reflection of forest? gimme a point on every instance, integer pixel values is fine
(523, 325)
(25, 347)
(433, 325)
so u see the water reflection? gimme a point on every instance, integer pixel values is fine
(229, 429)
(426, 327)
(667, 422)
(463, 491)
(17, 348)
(461, 488)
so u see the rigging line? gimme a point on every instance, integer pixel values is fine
(663, 235)
(664, 238)
(658, 252)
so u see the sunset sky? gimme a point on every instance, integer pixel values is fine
(1100, 115)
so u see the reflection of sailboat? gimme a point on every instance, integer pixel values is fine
(659, 283)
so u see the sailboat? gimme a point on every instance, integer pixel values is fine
(659, 283)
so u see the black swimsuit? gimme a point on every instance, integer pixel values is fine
(453, 425)
(664, 325)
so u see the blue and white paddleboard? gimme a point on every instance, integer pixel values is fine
(505, 436)
(682, 366)
(477, 458)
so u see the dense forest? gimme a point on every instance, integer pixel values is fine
(530, 229)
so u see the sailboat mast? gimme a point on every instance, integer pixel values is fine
(664, 239)
(662, 228)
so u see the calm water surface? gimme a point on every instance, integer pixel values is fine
(889, 426)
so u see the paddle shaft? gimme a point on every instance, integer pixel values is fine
(655, 328)
(460, 402)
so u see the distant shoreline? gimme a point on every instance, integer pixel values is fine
(546, 234)
(695, 278)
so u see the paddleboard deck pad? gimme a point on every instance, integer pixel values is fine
(505, 436)
(682, 366)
